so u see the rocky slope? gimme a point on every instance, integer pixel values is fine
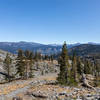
(44, 88)
(86, 50)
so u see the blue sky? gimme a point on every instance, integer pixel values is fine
(50, 21)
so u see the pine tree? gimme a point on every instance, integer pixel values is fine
(97, 73)
(74, 69)
(46, 57)
(36, 56)
(79, 66)
(51, 58)
(20, 53)
(97, 68)
(64, 75)
(31, 64)
(87, 67)
(39, 56)
(7, 65)
(20, 64)
(27, 54)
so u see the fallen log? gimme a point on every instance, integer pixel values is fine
(85, 82)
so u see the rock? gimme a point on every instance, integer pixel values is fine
(17, 98)
(62, 93)
(40, 95)
(86, 82)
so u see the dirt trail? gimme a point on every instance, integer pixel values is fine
(10, 90)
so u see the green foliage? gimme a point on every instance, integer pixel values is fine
(74, 68)
(64, 75)
(24, 64)
(73, 82)
(37, 56)
(7, 65)
(31, 62)
(58, 99)
(20, 64)
(51, 58)
(46, 57)
(20, 53)
(87, 67)
(97, 68)
(27, 54)
(80, 67)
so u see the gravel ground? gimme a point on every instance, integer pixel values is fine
(39, 85)
(24, 88)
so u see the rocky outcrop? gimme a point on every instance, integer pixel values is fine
(45, 67)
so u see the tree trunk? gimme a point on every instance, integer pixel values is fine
(85, 82)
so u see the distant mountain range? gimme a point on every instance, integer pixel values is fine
(43, 48)
(80, 49)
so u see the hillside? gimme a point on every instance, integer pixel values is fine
(86, 50)
(2, 57)
(91, 49)
(44, 49)
(14, 46)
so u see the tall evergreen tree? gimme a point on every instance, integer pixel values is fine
(64, 75)
(79, 66)
(37, 56)
(46, 57)
(20, 64)
(74, 69)
(7, 65)
(31, 64)
(87, 67)
(20, 53)
(51, 58)
(97, 68)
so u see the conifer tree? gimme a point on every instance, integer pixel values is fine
(51, 58)
(97, 73)
(64, 75)
(7, 65)
(37, 55)
(31, 64)
(27, 54)
(74, 69)
(20, 64)
(87, 67)
(97, 69)
(79, 66)
(46, 57)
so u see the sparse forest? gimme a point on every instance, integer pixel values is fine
(72, 67)
(65, 70)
